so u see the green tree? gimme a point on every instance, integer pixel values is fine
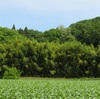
(13, 27)
(87, 31)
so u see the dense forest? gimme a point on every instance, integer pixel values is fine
(71, 52)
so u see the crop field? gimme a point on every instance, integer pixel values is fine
(50, 89)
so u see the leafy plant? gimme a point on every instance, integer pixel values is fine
(50, 89)
(11, 73)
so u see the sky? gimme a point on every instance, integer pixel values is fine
(46, 14)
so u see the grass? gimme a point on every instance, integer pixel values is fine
(46, 88)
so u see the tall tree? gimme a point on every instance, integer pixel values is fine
(13, 27)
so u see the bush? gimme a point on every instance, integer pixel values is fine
(11, 73)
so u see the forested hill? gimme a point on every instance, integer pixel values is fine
(87, 31)
(10, 35)
(60, 52)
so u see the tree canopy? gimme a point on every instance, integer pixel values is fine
(87, 31)
(61, 52)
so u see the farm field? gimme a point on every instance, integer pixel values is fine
(38, 88)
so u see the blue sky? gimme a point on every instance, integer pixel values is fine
(46, 14)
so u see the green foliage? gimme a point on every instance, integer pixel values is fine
(53, 35)
(8, 36)
(2, 70)
(11, 73)
(50, 89)
(60, 52)
(52, 72)
(87, 31)
(14, 28)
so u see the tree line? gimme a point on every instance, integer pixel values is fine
(61, 52)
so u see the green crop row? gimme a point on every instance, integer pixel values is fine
(49, 89)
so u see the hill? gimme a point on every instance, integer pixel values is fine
(87, 31)
(61, 52)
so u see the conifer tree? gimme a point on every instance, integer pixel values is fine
(13, 27)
